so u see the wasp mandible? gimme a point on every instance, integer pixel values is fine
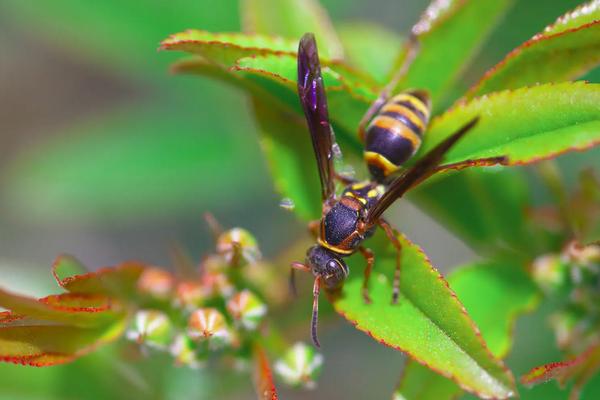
(391, 138)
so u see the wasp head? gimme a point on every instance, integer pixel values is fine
(327, 265)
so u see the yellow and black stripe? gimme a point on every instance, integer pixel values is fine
(395, 134)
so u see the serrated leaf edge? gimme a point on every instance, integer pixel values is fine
(465, 314)
(540, 37)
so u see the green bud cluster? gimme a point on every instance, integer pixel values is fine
(213, 312)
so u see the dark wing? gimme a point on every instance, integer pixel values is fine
(423, 168)
(312, 96)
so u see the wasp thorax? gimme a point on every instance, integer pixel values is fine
(326, 264)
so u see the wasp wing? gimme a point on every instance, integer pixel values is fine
(423, 169)
(314, 102)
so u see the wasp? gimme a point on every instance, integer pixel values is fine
(391, 138)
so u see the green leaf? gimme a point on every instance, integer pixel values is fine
(484, 206)
(370, 48)
(292, 18)
(420, 383)
(226, 48)
(494, 294)
(428, 323)
(564, 51)
(44, 345)
(67, 308)
(65, 266)
(524, 125)
(450, 33)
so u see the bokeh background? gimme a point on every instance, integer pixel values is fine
(105, 155)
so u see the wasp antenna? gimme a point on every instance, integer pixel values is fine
(315, 312)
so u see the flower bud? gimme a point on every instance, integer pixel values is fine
(582, 255)
(300, 366)
(550, 273)
(190, 295)
(156, 283)
(185, 352)
(567, 326)
(208, 324)
(213, 263)
(246, 309)
(236, 244)
(217, 285)
(152, 328)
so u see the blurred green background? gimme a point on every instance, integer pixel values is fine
(105, 155)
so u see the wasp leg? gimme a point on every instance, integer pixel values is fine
(370, 257)
(373, 109)
(296, 266)
(412, 50)
(315, 311)
(389, 231)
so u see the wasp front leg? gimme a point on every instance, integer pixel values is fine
(370, 258)
(389, 231)
(292, 282)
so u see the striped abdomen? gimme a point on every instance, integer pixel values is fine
(395, 134)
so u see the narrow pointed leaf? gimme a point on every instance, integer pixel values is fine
(45, 345)
(273, 74)
(119, 281)
(263, 376)
(65, 266)
(564, 51)
(292, 18)
(494, 294)
(69, 308)
(584, 14)
(450, 33)
(524, 125)
(429, 323)
(269, 54)
(578, 369)
(225, 48)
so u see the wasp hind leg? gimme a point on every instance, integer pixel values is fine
(389, 231)
(370, 258)
(412, 48)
